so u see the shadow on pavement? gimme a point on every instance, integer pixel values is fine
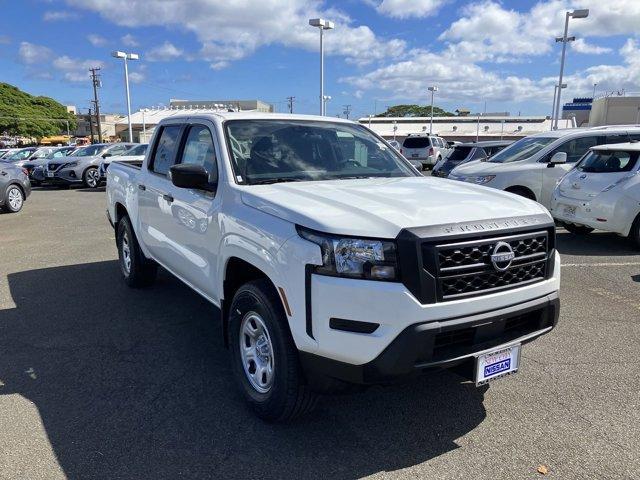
(599, 244)
(136, 384)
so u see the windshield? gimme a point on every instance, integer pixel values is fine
(19, 155)
(459, 153)
(137, 150)
(271, 151)
(416, 142)
(608, 161)
(523, 148)
(90, 151)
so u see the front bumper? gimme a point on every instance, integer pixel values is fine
(447, 343)
(603, 216)
(63, 177)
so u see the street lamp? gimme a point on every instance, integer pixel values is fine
(144, 125)
(581, 13)
(593, 97)
(433, 89)
(322, 25)
(126, 57)
(555, 93)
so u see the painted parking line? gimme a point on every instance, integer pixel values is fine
(611, 264)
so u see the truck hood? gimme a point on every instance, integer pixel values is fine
(381, 207)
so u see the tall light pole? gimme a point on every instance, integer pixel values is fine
(322, 25)
(144, 125)
(433, 89)
(593, 97)
(581, 13)
(555, 93)
(126, 57)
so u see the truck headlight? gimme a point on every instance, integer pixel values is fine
(354, 257)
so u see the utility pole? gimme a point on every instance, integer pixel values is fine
(95, 79)
(347, 110)
(290, 100)
(91, 126)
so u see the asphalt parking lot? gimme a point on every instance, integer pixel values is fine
(100, 381)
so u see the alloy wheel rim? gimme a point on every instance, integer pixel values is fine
(92, 179)
(256, 352)
(15, 199)
(126, 253)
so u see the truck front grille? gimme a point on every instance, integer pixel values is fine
(466, 268)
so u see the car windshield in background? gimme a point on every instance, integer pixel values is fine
(90, 151)
(459, 154)
(523, 148)
(19, 155)
(137, 150)
(607, 161)
(416, 142)
(271, 151)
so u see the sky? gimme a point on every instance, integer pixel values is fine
(381, 52)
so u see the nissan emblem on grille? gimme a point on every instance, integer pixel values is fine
(502, 256)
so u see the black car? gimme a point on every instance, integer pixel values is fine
(465, 152)
(14, 187)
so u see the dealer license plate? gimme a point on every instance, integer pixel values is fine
(569, 210)
(415, 155)
(497, 364)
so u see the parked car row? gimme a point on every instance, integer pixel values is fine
(585, 177)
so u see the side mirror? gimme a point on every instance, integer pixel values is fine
(186, 175)
(557, 159)
(105, 155)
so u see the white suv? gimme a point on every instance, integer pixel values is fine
(424, 150)
(532, 166)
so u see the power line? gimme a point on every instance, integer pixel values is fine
(347, 110)
(95, 80)
(290, 101)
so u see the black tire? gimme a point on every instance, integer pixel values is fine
(138, 271)
(13, 199)
(91, 177)
(288, 395)
(578, 229)
(634, 233)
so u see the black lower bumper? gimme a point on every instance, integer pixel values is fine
(448, 343)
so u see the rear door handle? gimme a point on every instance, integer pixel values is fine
(168, 197)
(141, 187)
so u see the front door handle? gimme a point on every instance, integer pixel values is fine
(168, 197)
(141, 187)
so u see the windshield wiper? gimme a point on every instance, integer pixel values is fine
(266, 181)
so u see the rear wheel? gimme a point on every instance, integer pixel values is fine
(13, 199)
(137, 270)
(91, 177)
(265, 359)
(634, 233)
(578, 229)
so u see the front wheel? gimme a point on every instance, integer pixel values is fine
(578, 229)
(265, 359)
(634, 233)
(91, 177)
(13, 199)
(137, 270)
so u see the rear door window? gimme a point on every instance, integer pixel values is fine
(416, 142)
(617, 138)
(199, 150)
(164, 156)
(576, 148)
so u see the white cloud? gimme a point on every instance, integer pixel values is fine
(31, 54)
(54, 16)
(581, 46)
(97, 40)
(409, 8)
(165, 52)
(137, 77)
(234, 29)
(73, 69)
(129, 40)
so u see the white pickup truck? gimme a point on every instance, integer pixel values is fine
(332, 260)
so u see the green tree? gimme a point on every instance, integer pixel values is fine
(414, 111)
(30, 116)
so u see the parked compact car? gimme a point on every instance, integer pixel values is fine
(426, 150)
(14, 187)
(328, 264)
(81, 166)
(532, 166)
(35, 164)
(135, 155)
(466, 152)
(602, 192)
